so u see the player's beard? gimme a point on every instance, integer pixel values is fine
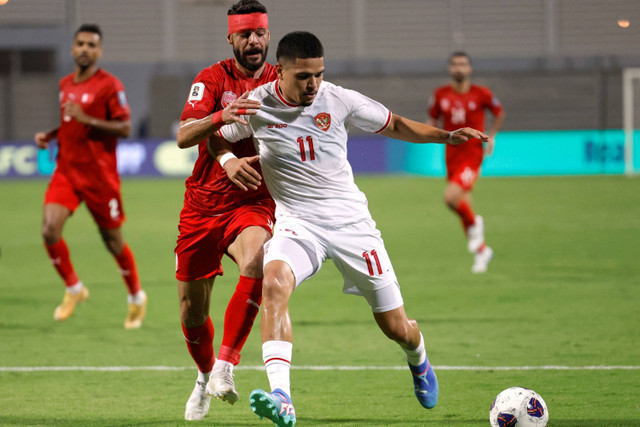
(459, 77)
(241, 57)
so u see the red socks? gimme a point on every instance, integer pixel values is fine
(239, 317)
(61, 260)
(200, 344)
(128, 270)
(466, 214)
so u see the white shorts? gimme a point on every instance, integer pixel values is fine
(356, 249)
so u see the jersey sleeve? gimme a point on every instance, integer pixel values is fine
(235, 132)
(202, 96)
(492, 102)
(117, 103)
(365, 113)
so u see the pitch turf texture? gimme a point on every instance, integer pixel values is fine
(563, 291)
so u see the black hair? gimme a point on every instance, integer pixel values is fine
(89, 28)
(244, 7)
(460, 53)
(299, 45)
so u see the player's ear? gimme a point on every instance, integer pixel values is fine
(230, 39)
(279, 69)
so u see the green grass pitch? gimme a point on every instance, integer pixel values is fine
(563, 290)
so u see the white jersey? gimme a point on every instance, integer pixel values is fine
(303, 151)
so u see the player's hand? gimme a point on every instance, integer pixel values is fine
(464, 134)
(240, 107)
(42, 139)
(73, 110)
(242, 174)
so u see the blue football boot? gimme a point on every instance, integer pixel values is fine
(425, 384)
(276, 406)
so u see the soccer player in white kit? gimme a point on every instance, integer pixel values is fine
(301, 139)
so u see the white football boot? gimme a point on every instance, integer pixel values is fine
(481, 260)
(475, 235)
(221, 385)
(198, 403)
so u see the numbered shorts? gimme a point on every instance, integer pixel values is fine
(104, 203)
(204, 239)
(357, 250)
(463, 167)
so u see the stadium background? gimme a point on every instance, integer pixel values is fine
(558, 311)
(554, 64)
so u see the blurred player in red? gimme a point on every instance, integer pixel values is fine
(218, 217)
(94, 113)
(462, 104)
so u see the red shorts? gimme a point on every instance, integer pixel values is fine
(203, 239)
(104, 203)
(463, 165)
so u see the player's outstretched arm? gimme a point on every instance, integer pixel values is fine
(191, 131)
(239, 170)
(420, 133)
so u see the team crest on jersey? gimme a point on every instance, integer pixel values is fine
(323, 121)
(227, 98)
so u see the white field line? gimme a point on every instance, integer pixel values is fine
(319, 368)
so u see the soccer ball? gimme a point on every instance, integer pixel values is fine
(518, 406)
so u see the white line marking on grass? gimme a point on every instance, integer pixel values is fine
(320, 368)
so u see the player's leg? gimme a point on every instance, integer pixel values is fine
(136, 297)
(60, 202)
(457, 196)
(195, 297)
(288, 262)
(358, 251)
(397, 327)
(250, 229)
(197, 263)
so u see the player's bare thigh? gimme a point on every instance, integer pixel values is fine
(247, 250)
(195, 299)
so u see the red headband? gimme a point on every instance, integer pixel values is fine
(249, 21)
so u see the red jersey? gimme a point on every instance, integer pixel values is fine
(87, 156)
(208, 189)
(460, 110)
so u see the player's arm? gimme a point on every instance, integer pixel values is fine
(192, 131)
(420, 133)
(493, 131)
(42, 138)
(120, 128)
(239, 170)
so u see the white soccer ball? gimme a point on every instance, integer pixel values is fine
(518, 406)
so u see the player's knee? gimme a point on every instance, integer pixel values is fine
(50, 234)
(192, 315)
(274, 288)
(251, 264)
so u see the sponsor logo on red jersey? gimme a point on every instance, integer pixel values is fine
(323, 121)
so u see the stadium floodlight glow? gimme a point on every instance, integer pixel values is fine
(630, 78)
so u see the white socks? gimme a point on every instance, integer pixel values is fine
(203, 378)
(416, 357)
(75, 288)
(277, 361)
(138, 298)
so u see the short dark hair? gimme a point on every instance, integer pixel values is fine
(459, 53)
(299, 45)
(89, 28)
(244, 7)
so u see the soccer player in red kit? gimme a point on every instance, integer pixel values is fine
(94, 113)
(218, 217)
(462, 104)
